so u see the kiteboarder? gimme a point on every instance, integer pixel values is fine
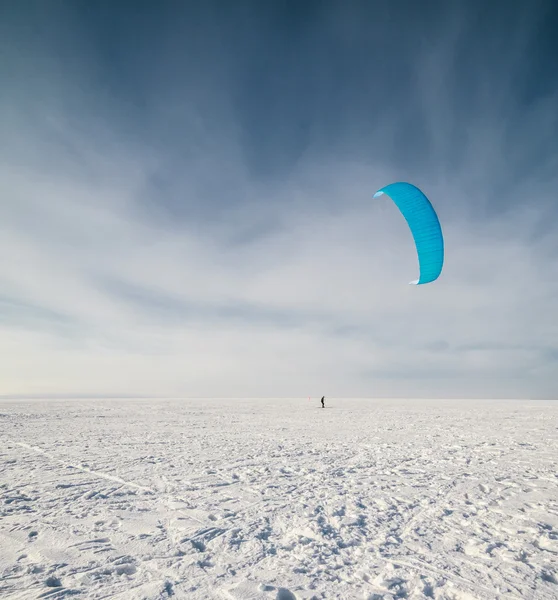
(323, 401)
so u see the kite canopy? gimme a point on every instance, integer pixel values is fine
(424, 225)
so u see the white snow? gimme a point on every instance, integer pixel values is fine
(279, 499)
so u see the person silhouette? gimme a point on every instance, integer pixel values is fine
(323, 401)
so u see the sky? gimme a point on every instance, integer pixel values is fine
(186, 198)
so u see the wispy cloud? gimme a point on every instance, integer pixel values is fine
(206, 227)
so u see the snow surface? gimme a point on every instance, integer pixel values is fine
(279, 499)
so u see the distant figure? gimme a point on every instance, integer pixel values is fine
(323, 401)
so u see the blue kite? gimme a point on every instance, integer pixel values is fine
(424, 225)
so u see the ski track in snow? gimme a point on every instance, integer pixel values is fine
(279, 500)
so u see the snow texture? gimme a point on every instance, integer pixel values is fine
(279, 499)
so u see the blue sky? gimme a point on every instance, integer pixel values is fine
(186, 198)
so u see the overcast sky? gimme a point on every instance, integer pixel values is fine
(186, 198)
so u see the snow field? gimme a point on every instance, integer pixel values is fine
(279, 499)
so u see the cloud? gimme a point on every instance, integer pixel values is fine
(206, 245)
